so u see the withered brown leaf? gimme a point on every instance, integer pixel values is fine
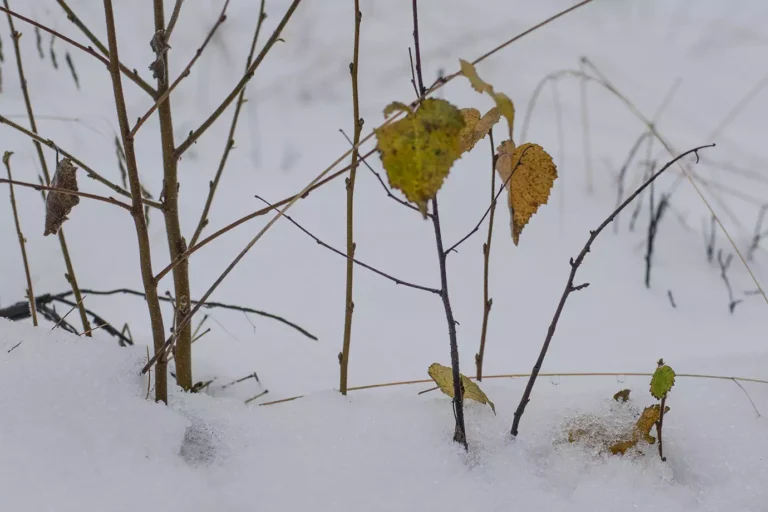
(59, 204)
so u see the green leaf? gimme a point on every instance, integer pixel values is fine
(443, 377)
(396, 106)
(418, 151)
(504, 104)
(662, 381)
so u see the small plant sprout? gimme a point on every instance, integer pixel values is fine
(661, 383)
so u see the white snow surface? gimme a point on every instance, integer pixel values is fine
(76, 432)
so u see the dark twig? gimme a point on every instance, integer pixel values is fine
(653, 227)
(759, 233)
(419, 76)
(724, 265)
(356, 261)
(569, 287)
(173, 20)
(623, 173)
(710, 240)
(203, 222)
(257, 396)
(659, 430)
(15, 347)
(671, 299)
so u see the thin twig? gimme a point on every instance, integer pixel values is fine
(570, 288)
(22, 240)
(173, 20)
(193, 136)
(257, 396)
(623, 173)
(356, 261)
(487, 301)
(131, 74)
(65, 316)
(187, 70)
(211, 305)
(724, 265)
(203, 222)
(757, 411)
(349, 304)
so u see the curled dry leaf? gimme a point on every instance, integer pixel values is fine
(396, 106)
(443, 377)
(504, 104)
(475, 127)
(418, 151)
(58, 204)
(529, 173)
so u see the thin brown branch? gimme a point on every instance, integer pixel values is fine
(419, 75)
(131, 74)
(22, 240)
(355, 261)
(173, 20)
(142, 235)
(70, 275)
(203, 222)
(38, 187)
(187, 70)
(487, 301)
(250, 216)
(570, 287)
(242, 83)
(91, 173)
(349, 304)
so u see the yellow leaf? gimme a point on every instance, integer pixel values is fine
(532, 175)
(504, 160)
(443, 377)
(418, 151)
(475, 128)
(396, 106)
(505, 105)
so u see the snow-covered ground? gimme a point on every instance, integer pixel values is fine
(76, 432)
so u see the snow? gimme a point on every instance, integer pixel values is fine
(77, 433)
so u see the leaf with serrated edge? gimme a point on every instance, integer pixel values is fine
(505, 105)
(418, 151)
(662, 381)
(533, 174)
(443, 377)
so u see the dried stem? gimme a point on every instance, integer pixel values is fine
(142, 235)
(131, 74)
(487, 301)
(349, 304)
(166, 91)
(659, 426)
(725, 264)
(70, 275)
(22, 240)
(570, 287)
(203, 222)
(91, 173)
(460, 433)
(242, 83)
(176, 243)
